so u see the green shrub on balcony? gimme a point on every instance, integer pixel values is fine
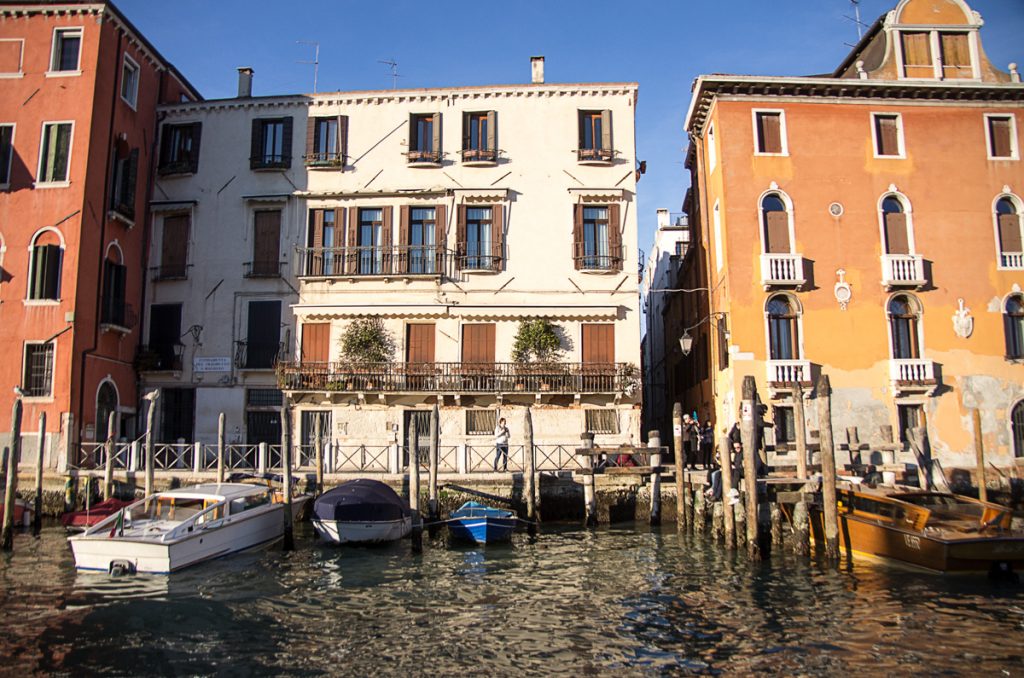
(536, 342)
(366, 340)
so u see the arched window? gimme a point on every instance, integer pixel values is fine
(1013, 324)
(895, 226)
(114, 311)
(1017, 428)
(1011, 251)
(775, 224)
(106, 402)
(783, 328)
(47, 256)
(904, 317)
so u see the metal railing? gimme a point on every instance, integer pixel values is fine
(324, 159)
(782, 269)
(588, 256)
(433, 157)
(257, 356)
(903, 269)
(118, 314)
(396, 377)
(479, 155)
(170, 272)
(160, 357)
(405, 260)
(599, 154)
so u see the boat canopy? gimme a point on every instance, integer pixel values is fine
(361, 500)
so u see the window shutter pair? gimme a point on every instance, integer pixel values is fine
(917, 55)
(312, 156)
(113, 292)
(315, 342)
(257, 160)
(46, 266)
(266, 242)
(956, 55)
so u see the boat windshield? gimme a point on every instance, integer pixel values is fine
(169, 508)
(249, 502)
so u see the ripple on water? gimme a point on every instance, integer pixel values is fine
(622, 600)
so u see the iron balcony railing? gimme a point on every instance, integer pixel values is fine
(159, 357)
(432, 157)
(592, 154)
(592, 256)
(263, 269)
(324, 159)
(118, 314)
(170, 272)
(406, 260)
(479, 155)
(251, 355)
(396, 377)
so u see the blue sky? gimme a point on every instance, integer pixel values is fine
(663, 45)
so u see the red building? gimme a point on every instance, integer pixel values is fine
(79, 86)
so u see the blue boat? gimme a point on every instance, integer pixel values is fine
(480, 524)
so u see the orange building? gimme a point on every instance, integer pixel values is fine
(79, 86)
(866, 224)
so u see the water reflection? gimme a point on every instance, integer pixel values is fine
(613, 600)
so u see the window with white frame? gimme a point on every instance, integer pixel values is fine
(67, 47)
(712, 151)
(37, 370)
(783, 314)
(1001, 137)
(46, 260)
(55, 152)
(895, 227)
(933, 54)
(769, 133)
(1013, 326)
(716, 219)
(6, 153)
(130, 81)
(887, 135)
(602, 421)
(1010, 232)
(775, 225)
(904, 311)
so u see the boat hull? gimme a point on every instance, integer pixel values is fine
(482, 530)
(23, 513)
(100, 552)
(365, 532)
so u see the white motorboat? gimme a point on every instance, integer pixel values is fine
(171, 530)
(361, 511)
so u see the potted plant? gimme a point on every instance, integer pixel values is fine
(536, 349)
(365, 344)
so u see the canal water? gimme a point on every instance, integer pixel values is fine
(623, 600)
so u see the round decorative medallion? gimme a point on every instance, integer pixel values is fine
(836, 209)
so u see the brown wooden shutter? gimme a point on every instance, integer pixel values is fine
(615, 236)
(419, 344)
(311, 139)
(266, 242)
(956, 55)
(1009, 233)
(887, 135)
(498, 237)
(777, 233)
(315, 258)
(402, 263)
(256, 145)
(342, 141)
(435, 127)
(131, 178)
(606, 133)
(165, 144)
(896, 241)
(577, 236)
(467, 130)
(492, 131)
(193, 156)
(352, 241)
(174, 248)
(598, 343)
(478, 343)
(582, 120)
(770, 132)
(440, 236)
(386, 239)
(917, 55)
(999, 131)
(460, 237)
(286, 143)
(315, 342)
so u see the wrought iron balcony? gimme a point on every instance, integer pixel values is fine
(428, 261)
(601, 155)
(782, 270)
(396, 377)
(250, 355)
(263, 269)
(591, 256)
(903, 270)
(159, 357)
(481, 155)
(170, 272)
(424, 157)
(325, 159)
(118, 315)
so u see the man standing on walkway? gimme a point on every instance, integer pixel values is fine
(501, 445)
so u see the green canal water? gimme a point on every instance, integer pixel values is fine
(624, 600)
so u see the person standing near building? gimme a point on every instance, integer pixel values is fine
(689, 442)
(707, 445)
(501, 445)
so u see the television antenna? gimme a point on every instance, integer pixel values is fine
(856, 20)
(394, 70)
(316, 59)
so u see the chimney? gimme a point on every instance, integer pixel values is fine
(662, 218)
(537, 69)
(244, 82)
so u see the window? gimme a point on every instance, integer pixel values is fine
(895, 226)
(178, 407)
(785, 425)
(723, 343)
(478, 343)
(888, 135)
(716, 219)
(12, 51)
(595, 142)
(322, 257)
(602, 421)
(1013, 324)
(783, 328)
(113, 310)
(1017, 429)
(263, 416)
(478, 137)
(918, 50)
(1011, 233)
(712, 150)
(770, 132)
(425, 138)
(598, 242)
(67, 43)
(1001, 134)
(326, 141)
(266, 245)
(775, 225)
(909, 417)
(917, 55)
(126, 172)
(421, 229)
(179, 148)
(6, 153)
(370, 239)
(481, 422)
(130, 81)
(479, 238)
(263, 337)
(315, 346)
(165, 345)
(37, 373)
(679, 249)
(956, 56)
(55, 152)
(45, 267)
(174, 248)
(106, 404)
(904, 314)
(271, 143)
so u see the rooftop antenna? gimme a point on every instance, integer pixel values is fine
(856, 20)
(394, 70)
(316, 59)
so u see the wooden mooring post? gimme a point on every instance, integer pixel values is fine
(37, 512)
(828, 468)
(682, 500)
(153, 396)
(589, 494)
(979, 454)
(221, 424)
(318, 452)
(748, 431)
(414, 487)
(108, 449)
(530, 471)
(654, 442)
(801, 529)
(800, 429)
(725, 466)
(286, 464)
(432, 502)
(13, 454)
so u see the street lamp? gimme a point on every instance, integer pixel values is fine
(686, 343)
